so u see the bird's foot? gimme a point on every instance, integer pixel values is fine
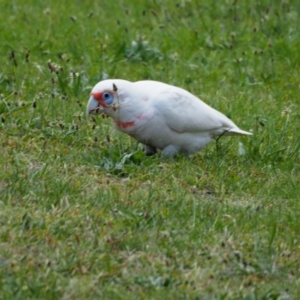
(169, 151)
(149, 150)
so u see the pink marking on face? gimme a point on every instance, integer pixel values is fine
(98, 97)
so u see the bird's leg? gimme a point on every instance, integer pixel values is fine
(149, 150)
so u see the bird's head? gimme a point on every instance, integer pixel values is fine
(117, 98)
(104, 98)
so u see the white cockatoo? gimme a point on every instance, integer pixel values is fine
(160, 116)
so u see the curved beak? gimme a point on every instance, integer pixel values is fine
(93, 106)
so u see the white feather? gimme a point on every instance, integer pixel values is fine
(165, 117)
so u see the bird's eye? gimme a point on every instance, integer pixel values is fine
(108, 98)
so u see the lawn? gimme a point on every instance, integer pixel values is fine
(85, 215)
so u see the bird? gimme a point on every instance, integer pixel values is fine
(160, 116)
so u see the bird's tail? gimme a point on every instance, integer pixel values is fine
(237, 131)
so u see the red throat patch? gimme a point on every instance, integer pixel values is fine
(124, 124)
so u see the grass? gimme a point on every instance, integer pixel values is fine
(85, 215)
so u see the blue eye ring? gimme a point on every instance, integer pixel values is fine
(108, 98)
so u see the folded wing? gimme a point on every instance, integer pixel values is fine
(183, 112)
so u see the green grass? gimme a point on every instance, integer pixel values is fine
(85, 215)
